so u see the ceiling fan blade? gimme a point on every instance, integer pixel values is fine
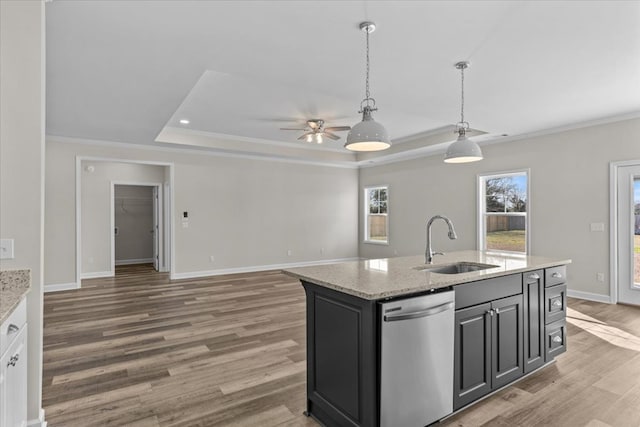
(338, 128)
(293, 128)
(331, 135)
(304, 136)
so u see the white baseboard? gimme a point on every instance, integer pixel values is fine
(97, 275)
(38, 422)
(60, 287)
(134, 261)
(195, 274)
(589, 296)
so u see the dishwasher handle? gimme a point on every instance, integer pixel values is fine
(421, 313)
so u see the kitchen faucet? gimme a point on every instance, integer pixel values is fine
(428, 255)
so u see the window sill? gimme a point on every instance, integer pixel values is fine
(376, 242)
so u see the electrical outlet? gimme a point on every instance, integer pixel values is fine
(600, 277)
(597, 226)
(321, 251)
(185, 224)
(289, 252)
(212, 258)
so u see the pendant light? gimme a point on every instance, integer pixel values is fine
(463, 150)
(368, 135)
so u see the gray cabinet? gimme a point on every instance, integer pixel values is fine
(487, 348)
(555, 312)
(472, 354)
(533, 308)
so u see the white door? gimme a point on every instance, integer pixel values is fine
(156, 229)
(629, 234)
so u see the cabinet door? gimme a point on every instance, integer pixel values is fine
(506, 333)
(533, 320)
(472, 354)
(15, 382)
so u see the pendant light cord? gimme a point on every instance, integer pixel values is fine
(366, 91)
(368, 102)
(462, 95)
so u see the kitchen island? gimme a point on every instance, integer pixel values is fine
(508, 322)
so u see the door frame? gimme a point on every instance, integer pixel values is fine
(158, 207)
(613, 221)
(169, 208)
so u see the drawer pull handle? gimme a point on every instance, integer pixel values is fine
(557, 275)
(534, 276)
(557, 303)
(557, 339)
(12, 329)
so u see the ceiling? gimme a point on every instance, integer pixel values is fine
(128, 71)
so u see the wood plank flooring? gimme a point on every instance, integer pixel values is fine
(141, 350)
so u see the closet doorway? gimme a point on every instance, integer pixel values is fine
(137, 224)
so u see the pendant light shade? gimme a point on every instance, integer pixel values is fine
(463, 150)
(368, 135)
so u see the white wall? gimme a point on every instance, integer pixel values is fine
(244, 212)
(133, 214)
(569, 183)
(22, 60)
(96, 208)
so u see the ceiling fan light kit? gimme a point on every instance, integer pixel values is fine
(367, 135)
(463, 150)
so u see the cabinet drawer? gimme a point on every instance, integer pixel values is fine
(473, 293)
(555, 303)
(555, 276)
(555, 339)
(11, 327)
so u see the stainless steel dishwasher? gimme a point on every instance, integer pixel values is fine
(416, 381)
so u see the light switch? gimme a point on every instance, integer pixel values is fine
(597, 226)
(6, 249)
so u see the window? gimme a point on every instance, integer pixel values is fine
(376, 218)
(503, 221)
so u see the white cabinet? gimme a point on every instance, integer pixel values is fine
(13, 369)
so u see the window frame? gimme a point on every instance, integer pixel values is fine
(482, 214)
(366, 214)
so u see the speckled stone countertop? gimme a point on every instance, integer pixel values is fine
(392, 277)
(14, 285)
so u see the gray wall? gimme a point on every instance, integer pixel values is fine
(22, 61)
(243, 212)
(569, 184)
(133, 214)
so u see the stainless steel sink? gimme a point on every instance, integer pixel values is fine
(456, 268)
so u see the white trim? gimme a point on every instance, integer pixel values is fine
(196, 274)
(40, 422)
(96, 275)
(196, 150)
(78, 221)
(480, 205)
(365, 211)
(240, 138)
(613, 225)
(60, 287)
(168, 217)
(134, 261)
(589, 296)
(159, 186)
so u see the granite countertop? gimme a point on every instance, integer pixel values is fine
(391, 277)
(14, 285)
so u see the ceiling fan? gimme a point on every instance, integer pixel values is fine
(315, 131)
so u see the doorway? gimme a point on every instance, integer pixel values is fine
(626, 204)
(137, 217)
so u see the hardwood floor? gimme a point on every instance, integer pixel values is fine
(140, 350)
